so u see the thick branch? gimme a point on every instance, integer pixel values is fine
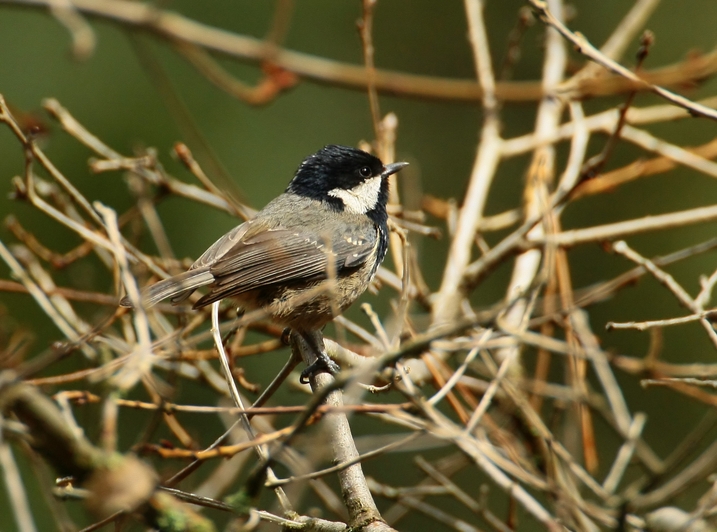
(363, 513)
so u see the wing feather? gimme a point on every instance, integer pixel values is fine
(284, 256)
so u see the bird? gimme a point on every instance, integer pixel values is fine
(306, 256)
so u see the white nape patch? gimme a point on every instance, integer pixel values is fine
(360, 199)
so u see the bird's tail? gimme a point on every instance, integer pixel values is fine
(178, 287)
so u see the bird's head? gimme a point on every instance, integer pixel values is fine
(346, 178)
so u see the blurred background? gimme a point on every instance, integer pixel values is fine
(135, 92)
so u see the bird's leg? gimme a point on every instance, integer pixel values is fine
(286, 336)
(315, 341)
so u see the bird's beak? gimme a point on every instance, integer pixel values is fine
(392, 168)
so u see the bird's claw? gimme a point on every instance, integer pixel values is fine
(323, 363)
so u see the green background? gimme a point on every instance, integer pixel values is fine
(113, 96)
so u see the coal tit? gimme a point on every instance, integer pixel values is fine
(306, 256)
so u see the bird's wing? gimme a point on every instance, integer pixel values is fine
(285, 256)
(223, 245)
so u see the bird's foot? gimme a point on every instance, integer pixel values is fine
(323, 363)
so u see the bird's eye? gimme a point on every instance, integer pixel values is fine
(365, 171)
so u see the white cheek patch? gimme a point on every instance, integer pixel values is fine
(360, 199)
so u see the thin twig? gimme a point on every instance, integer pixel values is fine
(449, 296)
(598, 233)
(584, 47)
(176, 28)
(15, 488)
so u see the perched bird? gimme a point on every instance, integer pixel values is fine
(306, 256)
